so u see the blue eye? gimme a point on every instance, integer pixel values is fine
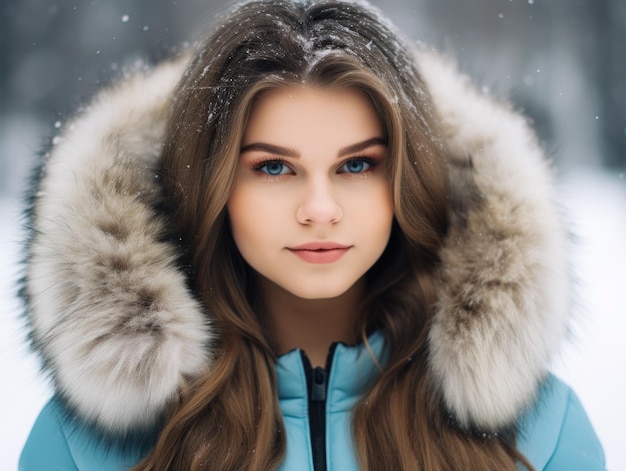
(356, 166)
(273, 168)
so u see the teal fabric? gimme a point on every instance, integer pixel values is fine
(351, 371)
(557, 434)
(554, 435)
(47, 446)
(58, 443)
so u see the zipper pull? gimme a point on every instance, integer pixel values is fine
(318, 384)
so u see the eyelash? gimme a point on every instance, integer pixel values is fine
(259, 164)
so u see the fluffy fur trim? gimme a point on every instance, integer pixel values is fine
(119, 331)
(110, 312)
(503, 288)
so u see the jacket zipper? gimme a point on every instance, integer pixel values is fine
(317, 382)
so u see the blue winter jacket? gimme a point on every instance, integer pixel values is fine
(555, 435)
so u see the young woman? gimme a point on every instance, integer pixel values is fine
(305, 247)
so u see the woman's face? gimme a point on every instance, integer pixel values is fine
(311, 208)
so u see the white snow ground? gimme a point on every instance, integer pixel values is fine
(593, 362)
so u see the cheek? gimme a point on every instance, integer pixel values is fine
(381, 225)
(381, 220)
(374, 212)
(253, 218)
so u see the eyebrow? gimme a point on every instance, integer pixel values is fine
(288, 152)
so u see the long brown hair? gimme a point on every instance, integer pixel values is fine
(230, 417)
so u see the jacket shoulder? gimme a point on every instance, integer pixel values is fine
(59, 441)
(47, 445)
(556, 433)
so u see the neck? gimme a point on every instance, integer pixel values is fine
(310, 324)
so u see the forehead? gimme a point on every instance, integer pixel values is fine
(299, 114)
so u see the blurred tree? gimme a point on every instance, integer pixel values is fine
(614, 98)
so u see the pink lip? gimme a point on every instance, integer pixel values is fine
(319, 246)
(319, 252)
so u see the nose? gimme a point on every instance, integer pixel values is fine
(318, 205)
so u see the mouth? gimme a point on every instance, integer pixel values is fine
(320, 252)
(319, 246)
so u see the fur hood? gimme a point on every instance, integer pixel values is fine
(111, 315)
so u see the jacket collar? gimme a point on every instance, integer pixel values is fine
(110, 313)
(351, 369)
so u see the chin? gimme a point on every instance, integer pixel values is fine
(320, 291)
(320, 295)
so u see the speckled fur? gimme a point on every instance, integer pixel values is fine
(504, 285)
(119, 331)
(109, 310)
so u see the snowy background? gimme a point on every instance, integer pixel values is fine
(561, 61)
